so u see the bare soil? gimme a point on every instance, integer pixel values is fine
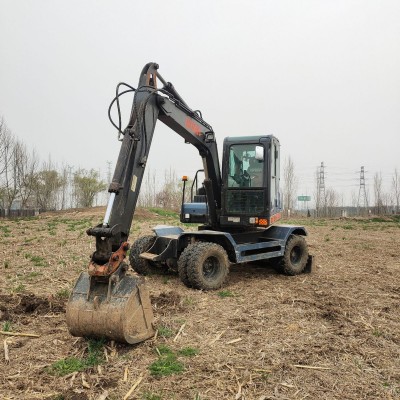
(331, 334)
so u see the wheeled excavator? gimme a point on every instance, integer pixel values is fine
(235, 210)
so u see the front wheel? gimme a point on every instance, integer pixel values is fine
(207, 265)
(295, 258)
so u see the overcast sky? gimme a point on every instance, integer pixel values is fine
(323, 76)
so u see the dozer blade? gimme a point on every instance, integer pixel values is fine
(118, 308)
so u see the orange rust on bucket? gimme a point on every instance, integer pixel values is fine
(112, 265)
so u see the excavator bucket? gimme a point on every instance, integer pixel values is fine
(117, 308)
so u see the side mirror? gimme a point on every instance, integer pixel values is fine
(259, 153)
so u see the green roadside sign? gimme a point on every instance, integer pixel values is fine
(304, 198)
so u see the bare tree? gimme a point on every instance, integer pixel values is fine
(7, 142)
(5, 138)
(149, 189)
(26, 177)
(396, 189)
(332, 202)
(378, 191)
(170, 195)
(10, 173)
(290, 183)
(65, 186)
(354, 199)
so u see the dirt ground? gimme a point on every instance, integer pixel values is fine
(331, 334)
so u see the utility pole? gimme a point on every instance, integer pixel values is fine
(321, 190)
(362, 194)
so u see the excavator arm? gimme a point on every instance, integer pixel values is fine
(149, 105)
(105, 300)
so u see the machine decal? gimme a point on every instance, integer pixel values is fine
(192, 126)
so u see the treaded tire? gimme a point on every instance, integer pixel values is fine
(295, 258)
(182, 266)
(138, 264)
(207, 265)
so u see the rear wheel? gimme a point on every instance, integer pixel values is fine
(138, 264)
(207, 265)
(296, 254)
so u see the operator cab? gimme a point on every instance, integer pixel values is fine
(250, 185)
(251, 176)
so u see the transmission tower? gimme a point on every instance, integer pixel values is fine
(321, 189)
(362, 194)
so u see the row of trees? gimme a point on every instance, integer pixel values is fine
(328, 201)
(26, 182)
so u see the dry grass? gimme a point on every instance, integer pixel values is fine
(333, 334)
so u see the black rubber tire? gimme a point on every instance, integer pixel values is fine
(182, 266)
(295, 258)
(138, 264)
(207, 265)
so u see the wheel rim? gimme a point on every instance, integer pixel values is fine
(295, 255)
(210, 267)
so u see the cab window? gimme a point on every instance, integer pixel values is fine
(244, 170)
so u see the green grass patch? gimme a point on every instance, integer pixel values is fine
(165, 366)
(33, 274)
(58, 397)
(188, 352)
(163, 350)
(68, 365)
(164, 213)
(165, 332)
(377, 332)
(63, 294)
(5, 229)
(226, 293)
(388, 219)
(95, 352)
(80, 224)
(167, 363)
(19, 288)
(6, 326)
(37, 261)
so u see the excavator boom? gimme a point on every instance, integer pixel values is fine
(107, 301)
